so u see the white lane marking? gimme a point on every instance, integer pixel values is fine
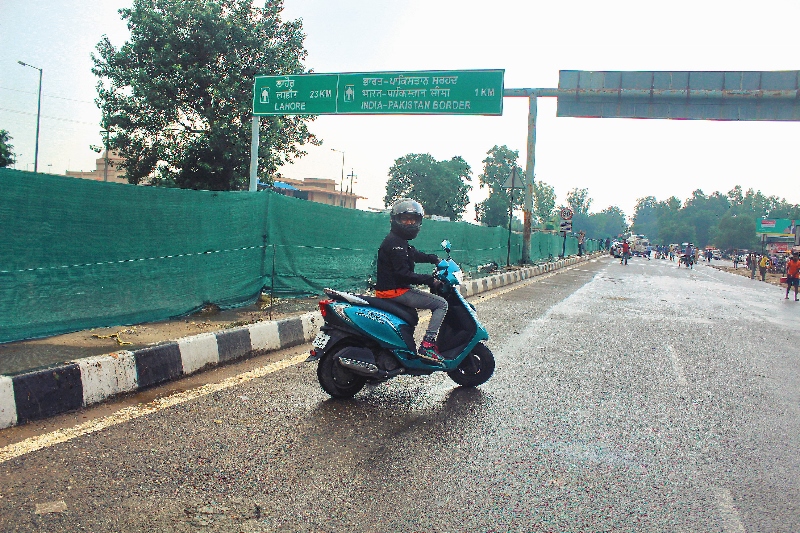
(129, 413)
(677, 366)
(732, 522)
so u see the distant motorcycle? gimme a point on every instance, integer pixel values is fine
(687, 259)
(369, 340)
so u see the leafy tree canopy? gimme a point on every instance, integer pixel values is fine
(7, 156)
(722, 220)
(544, 201)
(498, 167)
(609, 222)
(579, 201)
(440, 186)
(177, 96)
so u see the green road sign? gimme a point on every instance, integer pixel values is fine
(461, 92)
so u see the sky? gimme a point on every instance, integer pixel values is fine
(617, 160)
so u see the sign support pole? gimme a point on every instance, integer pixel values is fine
(511, 214)
(528, 181)
(254, 155)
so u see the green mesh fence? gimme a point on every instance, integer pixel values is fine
(77, 254)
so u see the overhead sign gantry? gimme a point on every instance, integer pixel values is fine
(730, 95)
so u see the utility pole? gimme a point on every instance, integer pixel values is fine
(105, 167)
(38, 115)
(350, 192)
(341, 183)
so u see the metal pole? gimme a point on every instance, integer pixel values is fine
(38, 117)
(105, 167)
(254, 155)
(510, 215)
(350, 191)
(341, 183)
(528, 182)
(646, 94)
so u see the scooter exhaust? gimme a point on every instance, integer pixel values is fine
(360, 367)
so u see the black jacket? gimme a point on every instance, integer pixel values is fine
(396, 259)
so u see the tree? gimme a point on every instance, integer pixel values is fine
(544, 201)
(438, 185)
(497, 169)
(7, 156)
(609, 222)
(738, 232)
(645, 217)
(579, 201)
(177, 97)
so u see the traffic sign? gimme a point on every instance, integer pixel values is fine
(566, 213)
(566, 226)
(513, 181)
(460, 92)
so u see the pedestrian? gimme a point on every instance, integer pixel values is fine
(626, 252)
(396, 260)
(581, 242)
(793, 273)
(763, 265)
(608, 243)
(735, 260)
(752, 264)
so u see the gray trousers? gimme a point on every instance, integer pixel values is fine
(424, 300)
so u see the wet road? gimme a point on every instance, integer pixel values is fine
(638, 398)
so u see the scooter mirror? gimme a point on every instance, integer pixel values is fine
(446, 245)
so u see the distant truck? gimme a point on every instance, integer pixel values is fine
(639, 244)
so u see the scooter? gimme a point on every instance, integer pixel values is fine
(370, 340)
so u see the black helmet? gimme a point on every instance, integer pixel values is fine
(406, 208)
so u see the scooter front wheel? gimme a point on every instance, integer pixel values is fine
(475, 369)
(336, 380)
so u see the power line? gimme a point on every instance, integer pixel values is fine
(48, 95)
(51, 118)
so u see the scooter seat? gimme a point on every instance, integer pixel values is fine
(408, 314)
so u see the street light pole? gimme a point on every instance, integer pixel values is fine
(341, 183)
(105, 167)
(38, 115)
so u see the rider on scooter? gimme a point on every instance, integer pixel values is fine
(396, 260)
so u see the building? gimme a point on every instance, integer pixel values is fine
(318, 190)
(103, 172)
(322, 191)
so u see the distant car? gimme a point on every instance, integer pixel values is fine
(716, 254)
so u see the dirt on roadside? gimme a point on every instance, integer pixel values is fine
(772, 279)
(23, 356)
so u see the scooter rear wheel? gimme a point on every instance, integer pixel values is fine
(475, 369)
(336, 380)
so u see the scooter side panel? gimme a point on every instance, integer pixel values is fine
(380, 325)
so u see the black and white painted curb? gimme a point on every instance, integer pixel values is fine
(71, 386)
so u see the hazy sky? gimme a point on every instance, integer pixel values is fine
(618, 160)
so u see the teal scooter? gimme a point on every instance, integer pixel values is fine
(370, 340)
